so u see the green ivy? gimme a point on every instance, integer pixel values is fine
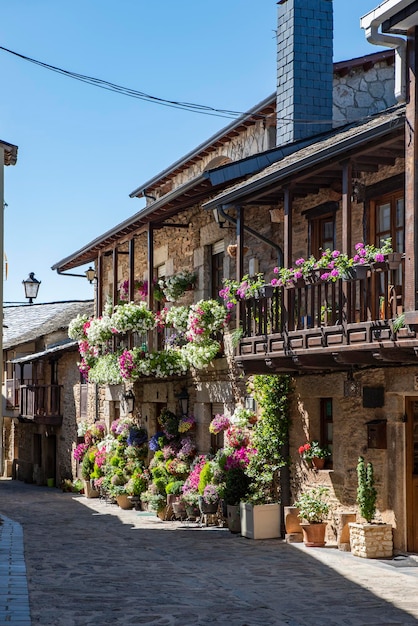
(272, 392)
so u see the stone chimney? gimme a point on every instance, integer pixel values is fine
(304, 68)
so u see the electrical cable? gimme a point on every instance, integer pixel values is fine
(133, 93)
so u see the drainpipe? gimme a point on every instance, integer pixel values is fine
(255, 234)
(371, 23)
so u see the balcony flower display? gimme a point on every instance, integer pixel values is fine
(175, 286)
(234, 291)
(200, 354)
(366, 253)
(168, 362)
(99, 330)
(76, 328)
(132, 317)
(177, 317)
(206, 318)
(105, 370)
(140, 287)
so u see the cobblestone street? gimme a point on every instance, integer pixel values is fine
(88, 562)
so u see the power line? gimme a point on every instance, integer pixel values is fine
(133, 93)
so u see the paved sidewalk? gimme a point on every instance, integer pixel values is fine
(89, 562)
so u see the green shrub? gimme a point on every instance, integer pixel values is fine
(366, 492)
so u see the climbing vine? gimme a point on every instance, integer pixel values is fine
(272, 393)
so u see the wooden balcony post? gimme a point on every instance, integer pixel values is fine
(240, 256)
(99, 286)
(347, 189)
(150, 273)
(115, 298)
(287, 253)
(131, 261)
(411, 185)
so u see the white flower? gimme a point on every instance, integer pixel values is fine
(132, 317)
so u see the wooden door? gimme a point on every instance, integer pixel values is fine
(412, 474)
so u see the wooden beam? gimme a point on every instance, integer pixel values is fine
(411, 183)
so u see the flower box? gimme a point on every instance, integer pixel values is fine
(356, 272)
(394, 260)
(260, 521)
(264, 292)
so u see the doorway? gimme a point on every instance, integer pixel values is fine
(412, 474)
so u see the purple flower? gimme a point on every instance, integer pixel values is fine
(379, 258)
(300, 261)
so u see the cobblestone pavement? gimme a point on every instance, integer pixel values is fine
(88, 562)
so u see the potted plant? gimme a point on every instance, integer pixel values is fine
(314, 454)
(313, 509)
(260, 512)
(371, 540)
(235, 490)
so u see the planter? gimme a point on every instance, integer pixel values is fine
(179, 509)
(314, 534)
(123, 502)
(192, 512)
(371, 541)
(234, 518)
(208, 509)
(260, 521)
(318, 463)
(394, 260)
(265, 292)
(292, 525)
(379, 266)
(50, 482)
(89, 490)
(356, 272)
(136, 502)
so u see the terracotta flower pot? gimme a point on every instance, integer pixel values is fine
(314, 534)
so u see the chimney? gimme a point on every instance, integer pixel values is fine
(304, 68)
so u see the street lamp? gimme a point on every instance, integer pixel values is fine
(31, 285)
(90, 274)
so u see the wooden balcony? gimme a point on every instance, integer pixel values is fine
(41, 403)
(325, 326)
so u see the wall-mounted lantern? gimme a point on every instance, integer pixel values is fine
(129, 398)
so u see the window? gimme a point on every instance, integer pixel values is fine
(217, 268)
(389, 220)
(326, 423)
(322, 234)
(216, 441)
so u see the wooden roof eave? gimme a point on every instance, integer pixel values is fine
(264, 189)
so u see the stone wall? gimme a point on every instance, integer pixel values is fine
(361, 93)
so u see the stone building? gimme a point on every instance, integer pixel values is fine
(43, 392)
(318, 166)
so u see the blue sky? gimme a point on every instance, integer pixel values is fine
(82, 150)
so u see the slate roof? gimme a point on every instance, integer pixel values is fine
(24, 323)
(335, 144)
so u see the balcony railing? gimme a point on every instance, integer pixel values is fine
(42, 403)
(373, 296)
